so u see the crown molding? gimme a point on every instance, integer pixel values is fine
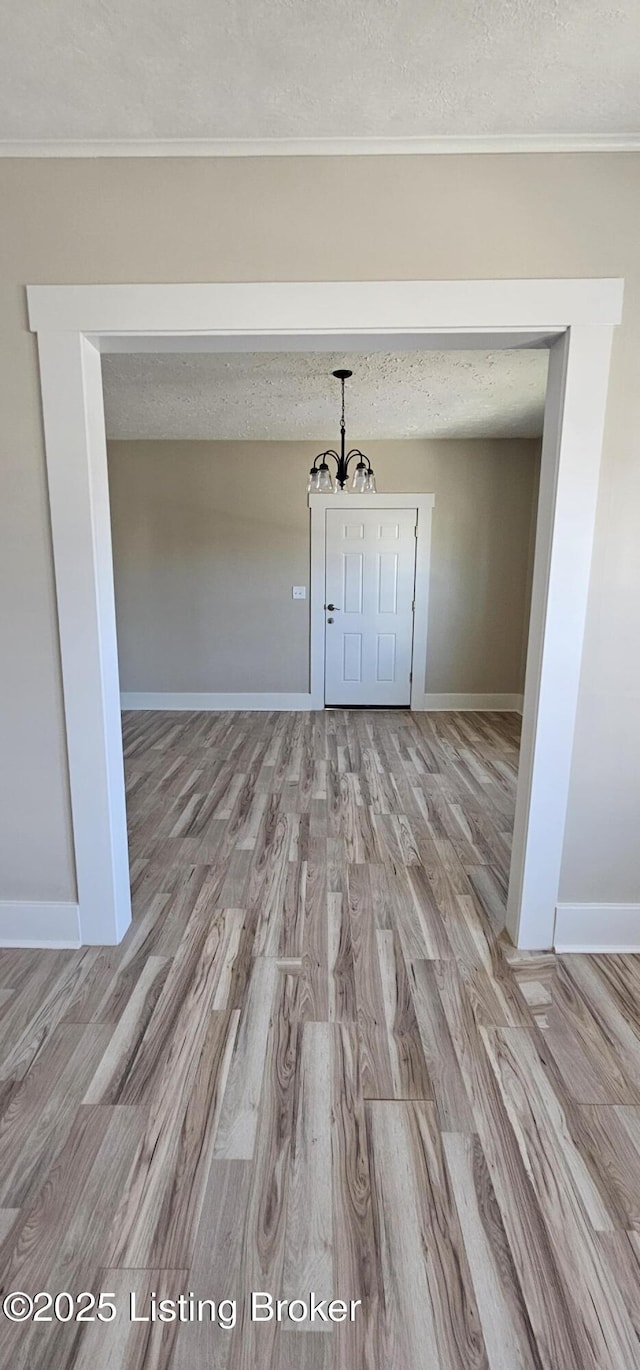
(321, 147)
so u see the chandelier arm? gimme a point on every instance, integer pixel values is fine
(363, 456)
(322, 455)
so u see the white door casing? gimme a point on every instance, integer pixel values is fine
(369, 588)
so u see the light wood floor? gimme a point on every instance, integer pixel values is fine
(315, 1064)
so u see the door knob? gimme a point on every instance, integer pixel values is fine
(330, 606)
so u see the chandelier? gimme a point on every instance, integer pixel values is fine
(321, 481)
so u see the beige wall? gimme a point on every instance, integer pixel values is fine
(299, 219)
(209, 538)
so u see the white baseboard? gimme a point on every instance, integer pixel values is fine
(39, 925)
(208, 702)
(462, 703)
(170, 701)
(597, 928)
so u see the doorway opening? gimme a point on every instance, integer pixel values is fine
(74, 324)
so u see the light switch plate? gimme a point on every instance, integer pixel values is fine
(299, 591)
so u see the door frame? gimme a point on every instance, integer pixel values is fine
(575, 318)
(318, 506)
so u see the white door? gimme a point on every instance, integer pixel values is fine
(369, 589)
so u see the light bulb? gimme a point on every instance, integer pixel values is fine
(370, 486)
(314, 481)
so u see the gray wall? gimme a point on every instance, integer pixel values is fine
(210, 537)
(319, 218)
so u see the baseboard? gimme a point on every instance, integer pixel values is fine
(39, 925)
(472, 703)
(597, 928)
(171, 702)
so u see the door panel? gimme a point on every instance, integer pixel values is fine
(352, 656)
(370, 577)
(352, 582)
(386, 656)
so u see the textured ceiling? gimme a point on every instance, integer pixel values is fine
(280, 395)
(257, 69)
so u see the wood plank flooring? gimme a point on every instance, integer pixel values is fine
(316, 1064)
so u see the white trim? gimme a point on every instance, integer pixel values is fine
(463, 144)
(473, 703)
(39, 925)
(76, 461)
(318, 505)
(570, 464)
(597, 928)
(174, 701)
(425, 506)
(279, 308)
(72, 407)
(489, 339)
